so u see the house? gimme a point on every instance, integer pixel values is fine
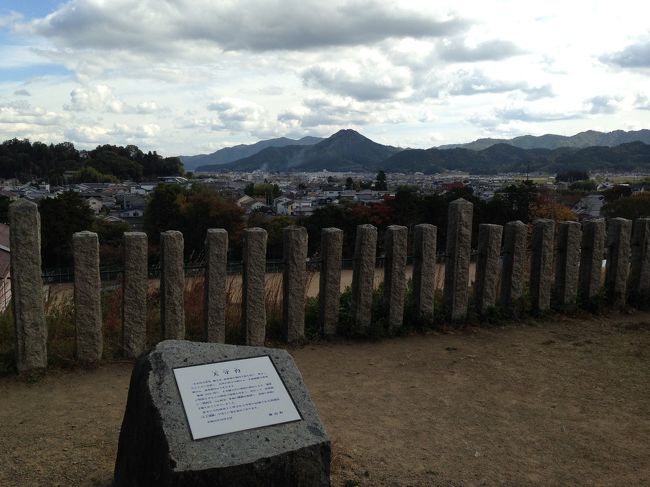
(589, 207)
(283, 206)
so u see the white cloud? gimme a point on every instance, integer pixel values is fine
(604, 104)
(372, 78)
(251, 25)
(101, 98)
(493, 50)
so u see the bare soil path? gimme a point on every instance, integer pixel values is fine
(563, 402)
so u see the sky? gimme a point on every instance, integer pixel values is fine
(185, 77)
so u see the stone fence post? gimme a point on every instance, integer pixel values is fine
(363, 275)
(459, 241)
(27, 286)
(514, 262)
(567, 262)
(541, 264)
(424, 269)
(640, 268)
(215, 285)
(172, 285)
(87, 297)
(618, 259)
(134, 294)
(591, 259)
(395, 275)
(294, 281)
(331, 249)
(253, 324)
(487, 266)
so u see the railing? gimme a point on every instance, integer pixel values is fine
(563, 267)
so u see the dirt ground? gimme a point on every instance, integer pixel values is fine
(556, 402)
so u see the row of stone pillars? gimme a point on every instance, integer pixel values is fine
(567, 261)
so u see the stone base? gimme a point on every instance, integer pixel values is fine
(156, 447)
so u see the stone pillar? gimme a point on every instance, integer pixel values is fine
(487, 266)
(591, 259)
(214, 302)
(253, 325)
(395, 275)
(87, 297)
(541, 264)
(331, 248)
(172, 285)
(459, 241)
(640, 268)
(294, 280)
(363, 275)
(134, 294)
(514, 262)
(27, 286)
(424, 269)
(618, 259)
(567, 262)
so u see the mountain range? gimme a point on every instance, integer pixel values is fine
(552, 141)
(230, 154)
(347, 150)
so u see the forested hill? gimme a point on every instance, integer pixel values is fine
(24, 160)
(501, 158)
(230, 154)
(581, 140)
(346, 150)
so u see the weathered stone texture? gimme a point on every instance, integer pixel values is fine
(424, 269)
(487, 266)
(591, 259)
(134, 294)
(156, 448)
(640, 268)
(214, 314)
(294, 281)
(253, 327)
(619, 231)
(567, 262)
(172, 285)
(514, 262)
(331, 249)
(459, 240)
(396, 239)
(87, 296)
(27, 286)
(363, 274)
(541, 264)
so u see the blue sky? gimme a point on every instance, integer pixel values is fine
(192, 76)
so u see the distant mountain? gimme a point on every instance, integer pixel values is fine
(504, 158)
(230, 154)
(346, 150)
(550, 141)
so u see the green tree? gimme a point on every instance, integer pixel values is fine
(61, 217)
(191, 211)
(636, 206)
(380, 182)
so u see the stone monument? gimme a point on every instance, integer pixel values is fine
(220, 415)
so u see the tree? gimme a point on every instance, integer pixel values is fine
(636, 206)
(552, 211)
(380, 184)
(349, 183)
(191, 211)
(571, 176)
(61, 217)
